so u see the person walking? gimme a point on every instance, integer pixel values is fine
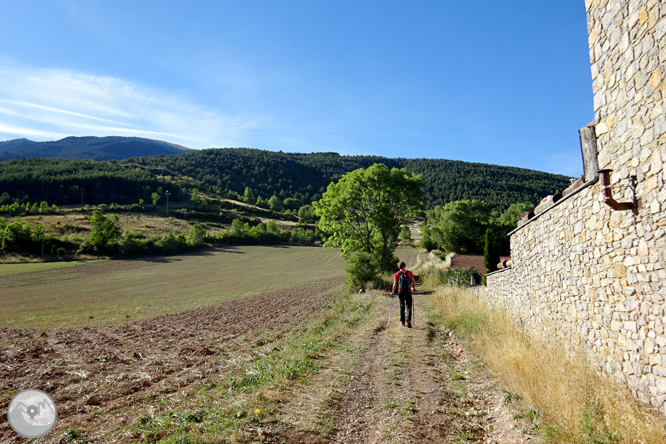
(404, 282)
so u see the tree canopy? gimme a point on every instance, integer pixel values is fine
(362, 213)
(460, 226)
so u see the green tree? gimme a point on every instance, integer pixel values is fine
(155, 197)
(196, 199)
(249, 196)
(292, 204)
(460, 226)
(15, 236)
(261, 202)
(306, 214)
(405, 235)
(197, 234)
(512, 214)
(272, 228)
(238, 228)
(275, 203)
(491, 249)
(104, 230)
(427, 241)
(363, 213)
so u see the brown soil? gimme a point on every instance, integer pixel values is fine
(98, 376)
(400, 385)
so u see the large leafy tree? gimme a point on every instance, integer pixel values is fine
(460, 226)
(104, 230)
(362, 213)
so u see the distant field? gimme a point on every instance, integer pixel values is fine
(6, 269)
(114, 292)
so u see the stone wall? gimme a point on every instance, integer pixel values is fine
(583, 273)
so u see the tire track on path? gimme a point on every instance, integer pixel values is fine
(391, 384)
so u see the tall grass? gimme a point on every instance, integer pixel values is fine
(572, 403)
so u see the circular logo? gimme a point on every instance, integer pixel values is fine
(32, 413)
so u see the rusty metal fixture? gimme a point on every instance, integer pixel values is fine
(604, 175)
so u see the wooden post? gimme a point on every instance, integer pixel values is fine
(588, 147)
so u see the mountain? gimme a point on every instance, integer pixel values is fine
(92, 148)
(229, 171)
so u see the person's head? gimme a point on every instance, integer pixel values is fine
(402, 265)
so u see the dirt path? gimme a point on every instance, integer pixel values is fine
(399, 385)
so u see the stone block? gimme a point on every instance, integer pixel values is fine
(661, 386)
(660, 29)
(631, 303)
(659, 121)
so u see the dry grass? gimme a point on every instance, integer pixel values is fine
(70, 224)
(572, 404)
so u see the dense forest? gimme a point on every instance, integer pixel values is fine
(230, 172)
(92, 148)
(306, 176)
(72, 181)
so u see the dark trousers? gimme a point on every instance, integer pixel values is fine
(405, 300)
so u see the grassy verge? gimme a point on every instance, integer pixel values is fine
(567, 401)
(241, 405)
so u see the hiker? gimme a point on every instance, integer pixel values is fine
(404, 282)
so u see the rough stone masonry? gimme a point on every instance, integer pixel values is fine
(583, 273)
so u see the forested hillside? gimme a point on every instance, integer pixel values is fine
(306, 176)
(92, 148)
(72, 181)
(231, 171)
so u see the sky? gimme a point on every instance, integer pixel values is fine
(504, 83)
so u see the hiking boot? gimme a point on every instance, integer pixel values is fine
(409, 324)
(403, 324)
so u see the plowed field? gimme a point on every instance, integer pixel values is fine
(97, 376)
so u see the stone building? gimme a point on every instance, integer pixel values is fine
(590, 271)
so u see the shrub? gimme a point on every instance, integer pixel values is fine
(456, 277)
(169, 243)
(197, 235)
(362, 269)
(131, 245)
(301, 236)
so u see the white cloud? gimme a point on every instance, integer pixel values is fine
(47, 103)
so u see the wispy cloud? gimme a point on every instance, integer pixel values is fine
(46, 103)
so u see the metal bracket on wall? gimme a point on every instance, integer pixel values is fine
(636, 203)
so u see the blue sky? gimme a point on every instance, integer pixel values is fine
(504, 83)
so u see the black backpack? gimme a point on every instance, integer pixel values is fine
(404, 284)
